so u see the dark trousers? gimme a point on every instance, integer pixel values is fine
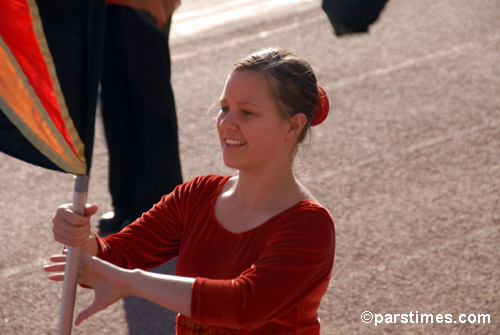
(138, 111)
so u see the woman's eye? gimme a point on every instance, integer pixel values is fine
(246, 113)
(224, 109)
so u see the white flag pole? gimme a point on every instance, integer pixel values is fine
(72, 262)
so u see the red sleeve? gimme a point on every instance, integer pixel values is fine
(151, 240)
(294, 269)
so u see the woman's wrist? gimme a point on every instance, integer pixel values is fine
(91, 246)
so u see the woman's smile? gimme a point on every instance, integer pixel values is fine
(233, 143)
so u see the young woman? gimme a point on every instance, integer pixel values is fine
(255, 251)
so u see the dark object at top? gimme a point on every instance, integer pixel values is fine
(352, 16)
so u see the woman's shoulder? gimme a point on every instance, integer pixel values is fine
(308, 224)
(310, 218)
(203, 182)
(307, 215)
(311, 207)
(193, 193)
(198, 188)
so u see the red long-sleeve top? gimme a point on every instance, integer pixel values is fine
(267, 280)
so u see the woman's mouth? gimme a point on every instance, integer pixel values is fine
(233, 142)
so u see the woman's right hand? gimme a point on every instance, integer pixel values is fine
(70, 228)
(106, 279)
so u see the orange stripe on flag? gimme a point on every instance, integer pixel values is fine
(16, 95)
(25, 47)
(29, 113)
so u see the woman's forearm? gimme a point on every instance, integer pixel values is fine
(171, 292)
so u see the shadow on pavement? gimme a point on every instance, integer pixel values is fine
(144, 317)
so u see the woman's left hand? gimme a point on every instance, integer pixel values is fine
(103, 277)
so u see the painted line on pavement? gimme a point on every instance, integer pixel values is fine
(296, 24)
(24, 268)
(476, 235)
(412, 62)
(398, 153)
(191, 22)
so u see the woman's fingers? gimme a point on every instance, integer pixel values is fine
(70, 228)
(66, 215)
(57, 268)
(57, 258)
(90, 209)
(89, 311)
(92, 273)
(56, 277)
(70, 235)
(66, 212)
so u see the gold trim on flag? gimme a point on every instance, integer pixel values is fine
(24, 109)
(78, 144)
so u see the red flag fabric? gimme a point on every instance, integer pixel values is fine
(49, 66)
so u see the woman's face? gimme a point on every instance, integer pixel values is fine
(252, 131)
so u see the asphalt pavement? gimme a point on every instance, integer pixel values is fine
(408, 163)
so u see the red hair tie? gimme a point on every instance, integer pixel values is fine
(322, 109)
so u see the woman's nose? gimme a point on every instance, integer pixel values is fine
(227, 119)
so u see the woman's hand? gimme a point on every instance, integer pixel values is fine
(72, 229)
(103, 277)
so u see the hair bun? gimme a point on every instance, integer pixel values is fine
(322, 109)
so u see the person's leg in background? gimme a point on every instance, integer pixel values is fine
(152, 167)
(118, 122)
(159, 167)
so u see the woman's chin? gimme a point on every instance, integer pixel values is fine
(232, 165)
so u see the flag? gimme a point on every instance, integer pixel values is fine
(50, 53)
(49, 68)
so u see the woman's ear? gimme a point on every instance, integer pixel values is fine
(297, 123)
